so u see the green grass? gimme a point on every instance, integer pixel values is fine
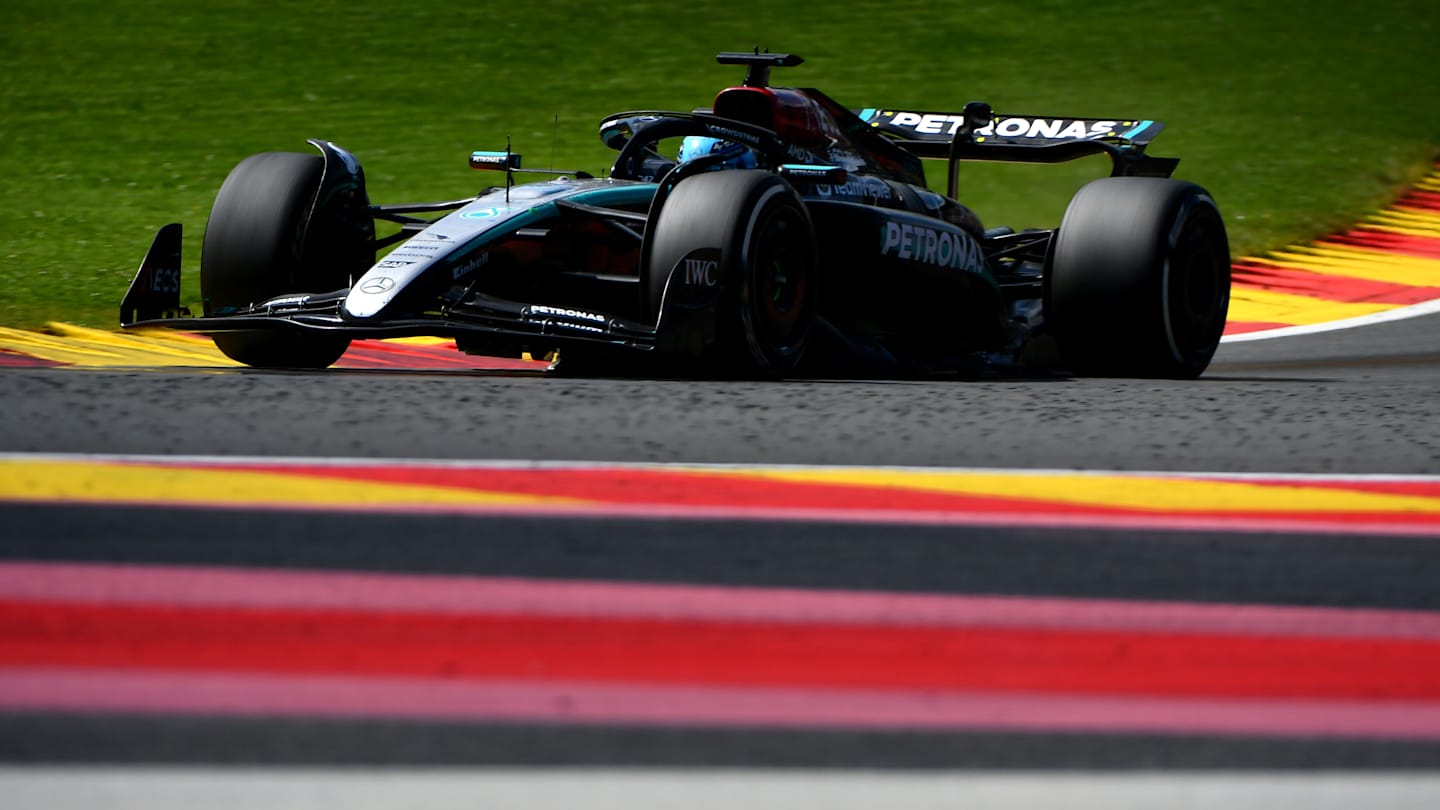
(116, 118)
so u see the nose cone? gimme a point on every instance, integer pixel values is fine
(369, 297)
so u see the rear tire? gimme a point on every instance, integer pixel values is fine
(1138, 283)
(252, 252)
(768, 259)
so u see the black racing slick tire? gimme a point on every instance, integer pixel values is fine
(1138, 283)
(252, 252)
(755, 226)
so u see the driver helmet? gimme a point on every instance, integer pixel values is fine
(735, 155)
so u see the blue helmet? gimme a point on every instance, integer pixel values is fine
(735, 155)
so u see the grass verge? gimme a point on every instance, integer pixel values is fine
(118, 118)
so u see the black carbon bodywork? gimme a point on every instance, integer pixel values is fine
(906, 274)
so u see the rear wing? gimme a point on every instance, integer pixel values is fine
(1024, 130)
(980, 135)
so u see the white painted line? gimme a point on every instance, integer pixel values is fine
(1397, 314)
(183, 460)
(155, 788)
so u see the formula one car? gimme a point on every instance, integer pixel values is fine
(772, 234)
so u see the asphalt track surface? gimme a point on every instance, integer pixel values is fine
(1346, 401)
(1351, 401)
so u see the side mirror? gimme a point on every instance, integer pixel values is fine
(615, 133)
(494, 161)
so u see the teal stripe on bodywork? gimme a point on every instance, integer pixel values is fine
(1144, 125)
(600, 197)
(619, 195)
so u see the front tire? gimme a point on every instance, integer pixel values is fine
(252, 252)
(757, 229)
(1138, 283)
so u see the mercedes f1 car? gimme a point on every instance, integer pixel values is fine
(771, 234)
